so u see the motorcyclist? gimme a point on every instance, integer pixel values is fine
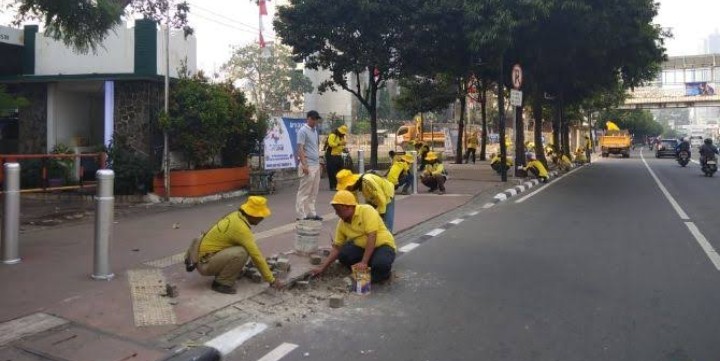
(707, 150)
(684, 145)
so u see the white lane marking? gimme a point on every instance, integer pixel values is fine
(475, 213)
(488, 205)
(523, 199)
(409, 247)
(456, 221)
(279, 352)
(704, 244)
(664, 190)
(229, 341)
(435, 232)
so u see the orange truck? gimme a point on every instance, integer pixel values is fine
(409, 132)
(616, 142)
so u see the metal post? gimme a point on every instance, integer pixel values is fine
(11, 219)
(104, 215)
(361, 161)
(415, 171)
(166, 141)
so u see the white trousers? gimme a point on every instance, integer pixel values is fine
(307, 192)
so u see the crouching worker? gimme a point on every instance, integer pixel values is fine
(377, 191)
(536, 168)
(400, 175)
(496, 165)
(361, 239)
(223, 251)
(434, 175)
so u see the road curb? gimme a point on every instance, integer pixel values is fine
(511, 192)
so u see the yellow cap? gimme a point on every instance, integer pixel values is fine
(430, 156)
(256, 206)
(343, 129)
(346, 178)
(345, 198)
(408, 158)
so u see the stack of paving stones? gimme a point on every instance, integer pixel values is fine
(279, 266)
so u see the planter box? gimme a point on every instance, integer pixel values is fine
(203, 182)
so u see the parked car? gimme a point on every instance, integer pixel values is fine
(666, 148)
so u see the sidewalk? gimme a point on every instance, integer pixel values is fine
(146, 251)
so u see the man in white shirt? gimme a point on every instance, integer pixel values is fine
(308, 143)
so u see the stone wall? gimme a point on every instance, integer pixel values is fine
(32, 137)
(137, 104)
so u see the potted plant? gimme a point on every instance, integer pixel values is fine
(59, 169)
(212, 126)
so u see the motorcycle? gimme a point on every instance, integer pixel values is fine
(683, 158)
(709, 167)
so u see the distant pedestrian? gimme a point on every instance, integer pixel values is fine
(334, 148)
(472, 144)
(308, 144)
(588, 147)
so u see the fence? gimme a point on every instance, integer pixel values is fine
(53, 172)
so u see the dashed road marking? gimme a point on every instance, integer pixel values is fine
(523, 199)
(279, 352)
(475, 213)
(488, 205)
(435, 232)
(409, 247)
(229, 341)
(456, 221)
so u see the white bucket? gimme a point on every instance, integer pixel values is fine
(307, 234)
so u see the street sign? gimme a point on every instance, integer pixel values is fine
(516, 76)
(515, 97)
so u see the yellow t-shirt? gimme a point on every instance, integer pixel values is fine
(234, 230)
(366, 220)
(472, 142)
(397, 169)
(377, 191)
(542, 172)
(336, 144)
(434, 169)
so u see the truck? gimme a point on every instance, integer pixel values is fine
(616, 142)
(409, 132)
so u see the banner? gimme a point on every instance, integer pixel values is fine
(280, 143)
(450, 137)
(699, 88)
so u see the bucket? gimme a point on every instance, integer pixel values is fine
(307, 235)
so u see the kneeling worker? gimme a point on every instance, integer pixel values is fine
(536, 168)
(361, 239)
(434, 175)
(223, 251)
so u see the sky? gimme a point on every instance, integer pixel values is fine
(221, 24)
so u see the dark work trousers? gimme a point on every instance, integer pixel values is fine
(434, 182)
(380, 262)
(334, 165)
(470, 152)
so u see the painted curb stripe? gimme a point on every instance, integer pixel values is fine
(229, 341)
(279, 352)
(409, 247)
(456, 221)
(435, 232)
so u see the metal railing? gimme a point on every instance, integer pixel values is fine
(42, 182)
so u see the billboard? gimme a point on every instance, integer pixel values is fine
(280, 143)
(699, 88)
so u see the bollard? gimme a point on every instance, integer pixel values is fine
(11, 219)
(415, 172)
(104, 215)
(361, 161)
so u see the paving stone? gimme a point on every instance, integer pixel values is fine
(315, 260)
(256, 277)
(336, 301)
(302, 285)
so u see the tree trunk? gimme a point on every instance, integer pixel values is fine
(483, 110)
(501, 121)
(461, 127)
(537, 118)
(556, 128)
(519, 140)
(565, 126)
(373, 123)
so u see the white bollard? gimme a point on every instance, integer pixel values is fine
(11, 217)
(415, 172)
(104, 216)
(361, 161)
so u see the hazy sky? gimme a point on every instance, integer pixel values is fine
(221, 24)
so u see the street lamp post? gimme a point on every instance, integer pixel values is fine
(166, 152)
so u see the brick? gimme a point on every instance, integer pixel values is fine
(283, 265)
(315, 260)
(302, 285)
(256, 277)
(336, 301)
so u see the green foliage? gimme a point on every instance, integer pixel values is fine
(422, 95)
(133, 170)
(84, 24)
(270, 76)
(360, 127)
(206, 119)
(9, 102)
(60, 167)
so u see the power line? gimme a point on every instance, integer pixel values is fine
(223, 17)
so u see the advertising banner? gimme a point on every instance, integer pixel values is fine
(280, 143)
(699, 88)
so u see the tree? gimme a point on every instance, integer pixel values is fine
(269, 75)
(351, 39)
(640, 123)
(84, 24)
(419, 95)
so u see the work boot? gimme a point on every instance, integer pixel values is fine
(228, 290)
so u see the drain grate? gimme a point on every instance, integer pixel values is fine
(149, 307)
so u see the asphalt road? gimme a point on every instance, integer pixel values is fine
(596, 265)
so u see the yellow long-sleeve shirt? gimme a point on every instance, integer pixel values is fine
(542, 172)
(377, 191)
(396, 171)
(433, 169)
(234, 230)
(365, 221)
(472, 142)
(336, 144)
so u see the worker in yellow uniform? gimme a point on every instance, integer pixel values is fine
(495, 163)
(472, 143)
(580, 156)
(434, 174)
(377, 191)
(224, 248)
(333, 153)
(400, 174)
(361, 239)
(588, 147)
(536, 168)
